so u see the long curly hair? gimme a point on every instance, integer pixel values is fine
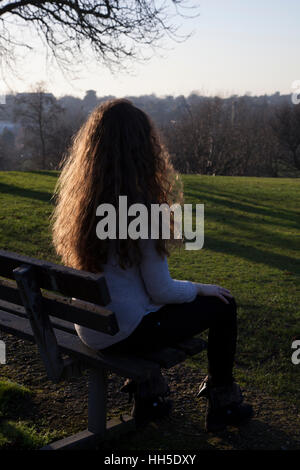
(117, 151)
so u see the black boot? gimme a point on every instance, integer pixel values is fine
(224, 406)
(149, 402)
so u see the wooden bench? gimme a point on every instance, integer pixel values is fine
(37, 304)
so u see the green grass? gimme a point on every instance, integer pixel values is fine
(12, 396)
(17, 434)
(251, 247)
(25, 210)
(21, 436)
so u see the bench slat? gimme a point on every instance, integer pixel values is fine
(20, 312)
(115, 427)
(190, 346)
(124, 365)
(67, 281)
(72, 310)
(92, 316)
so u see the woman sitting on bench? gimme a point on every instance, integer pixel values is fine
(118, 152)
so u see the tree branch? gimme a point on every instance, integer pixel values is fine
(114, 30)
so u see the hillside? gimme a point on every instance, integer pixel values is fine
(251, 247)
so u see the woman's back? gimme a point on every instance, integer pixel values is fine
(136, 291)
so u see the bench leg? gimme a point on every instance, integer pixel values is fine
(98, 429)
(97, 401)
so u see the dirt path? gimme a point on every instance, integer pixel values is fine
(63, 407)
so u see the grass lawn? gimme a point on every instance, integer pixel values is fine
(251, 247)
(252, 242)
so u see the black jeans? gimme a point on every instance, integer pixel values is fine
(176, 322)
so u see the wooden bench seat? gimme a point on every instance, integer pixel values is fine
(37, 304)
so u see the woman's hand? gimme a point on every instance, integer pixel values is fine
(215, 291)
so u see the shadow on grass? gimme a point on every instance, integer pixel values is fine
(25, 192)
(255, 232)
(182, 433)
(259, 435)
(282, 262)
(251, 208)
(17, 404)
(53, 173)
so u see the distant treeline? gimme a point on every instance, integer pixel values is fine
(238, 135)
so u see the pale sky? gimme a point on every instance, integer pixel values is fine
(237, 46)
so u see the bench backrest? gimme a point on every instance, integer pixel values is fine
(45, 289)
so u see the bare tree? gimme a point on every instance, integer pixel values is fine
(7, 150)
(286, 127)
(224, 137)
(113, 30)
(38, 113)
